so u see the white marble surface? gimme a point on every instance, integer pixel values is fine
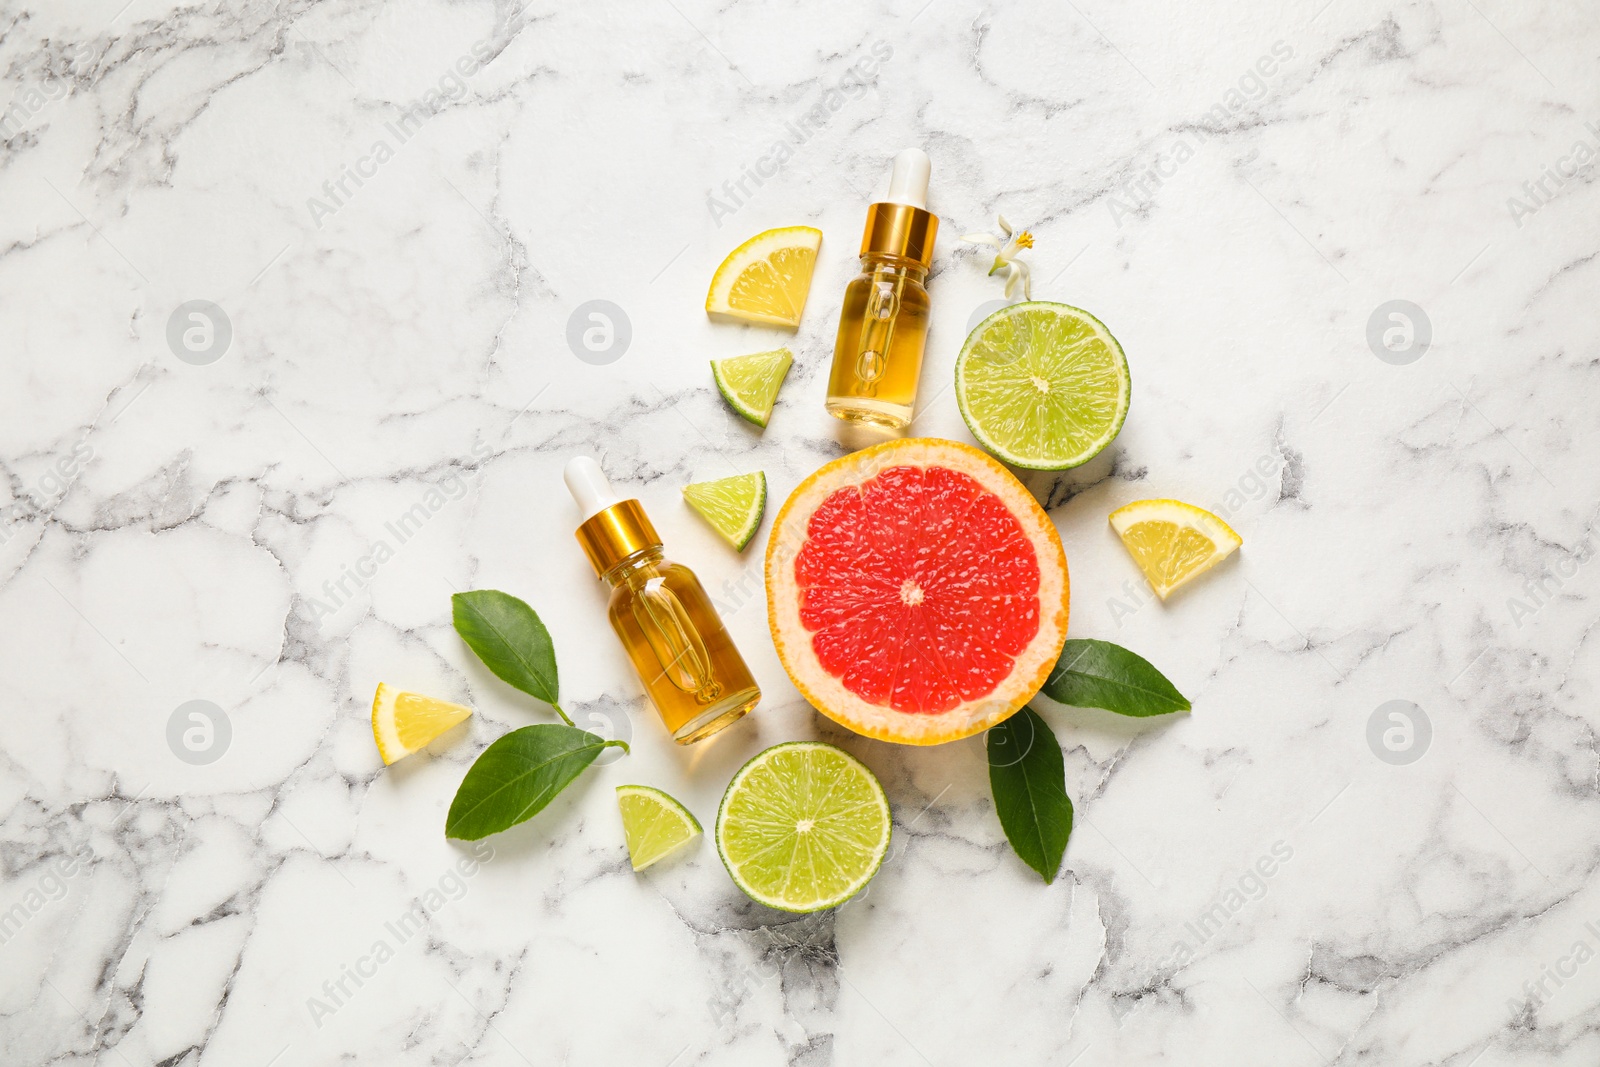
(176, 532)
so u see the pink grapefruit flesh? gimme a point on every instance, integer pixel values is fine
(916, 591)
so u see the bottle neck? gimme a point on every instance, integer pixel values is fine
(914, 269)
(624, 568)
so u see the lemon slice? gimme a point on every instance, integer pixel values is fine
(750, 383)
(766, 279)
(733, 506)
(403, 722)
(653, 824)
(803, 826)
(1172, 541)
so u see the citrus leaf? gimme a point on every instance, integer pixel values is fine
(517, 776)
(1098, 674)
(510, 639)
(1029, 783)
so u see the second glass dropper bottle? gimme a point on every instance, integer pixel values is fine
(690, 668)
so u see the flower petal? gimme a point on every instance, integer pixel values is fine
(981, 239)
(1004, 225)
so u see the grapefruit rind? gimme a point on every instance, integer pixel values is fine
(827, 693)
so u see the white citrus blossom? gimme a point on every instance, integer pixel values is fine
(1006, 248)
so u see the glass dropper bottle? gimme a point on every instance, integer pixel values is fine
(883, 325)
(690, 668)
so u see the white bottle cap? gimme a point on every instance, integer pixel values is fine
(908, 184)
(588, 485)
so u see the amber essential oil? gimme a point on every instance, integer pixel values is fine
(883, 324)
(692, 673)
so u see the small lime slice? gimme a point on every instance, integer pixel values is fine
(733, 506)
(1042, 385)
(654, 825)
(750, 383)
(803, 826)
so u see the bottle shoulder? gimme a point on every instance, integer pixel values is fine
(906, 279)
(670, 573)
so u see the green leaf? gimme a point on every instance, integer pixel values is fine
(1030, 790)
(518, 775)
(510, 639)
(1098, 674)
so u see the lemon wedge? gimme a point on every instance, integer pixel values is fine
(766, 279)
(1172, 542)
(403, 722)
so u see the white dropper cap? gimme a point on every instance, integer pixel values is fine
(908, 184)
(588, 485)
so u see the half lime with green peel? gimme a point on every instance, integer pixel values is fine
(803, 826)
(654, 825)
(733, 506)
(1043, 385)
(750, 383)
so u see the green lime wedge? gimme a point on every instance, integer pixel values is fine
(653, 824)
(733, 506)
(750, 383)
(1043, 385)
(803, 826)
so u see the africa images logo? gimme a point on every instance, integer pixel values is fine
(1554, 177)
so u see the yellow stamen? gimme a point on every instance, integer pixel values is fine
(1024, 239)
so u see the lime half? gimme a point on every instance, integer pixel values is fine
(1043, 385)
(654, 825)
(733, 506)
(750, 383)
(803, 826)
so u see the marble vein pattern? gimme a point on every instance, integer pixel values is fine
(296, 302)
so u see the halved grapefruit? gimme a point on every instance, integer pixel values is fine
(916, 591)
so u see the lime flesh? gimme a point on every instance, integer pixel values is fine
(1043, 385)
(750, 383)
(653, 824)
(733, 506)
(803, 826)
